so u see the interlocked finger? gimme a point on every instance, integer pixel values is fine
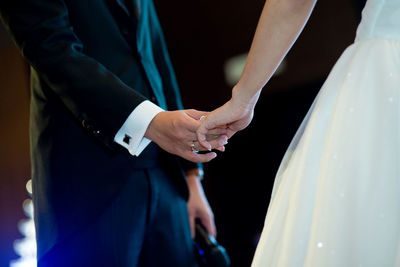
(217, 143)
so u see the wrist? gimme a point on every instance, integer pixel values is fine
(196, 174)
(151, 131)
(240, 94)
(241, 97)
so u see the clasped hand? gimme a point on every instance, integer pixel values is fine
(175, 132)
(182, 133)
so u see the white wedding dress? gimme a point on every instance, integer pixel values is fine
(336, 198)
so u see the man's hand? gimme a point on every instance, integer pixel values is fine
(175, 132)
(198, 207)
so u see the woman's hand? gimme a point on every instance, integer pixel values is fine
(234, 115)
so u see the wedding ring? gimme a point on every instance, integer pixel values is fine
(193, 149)
(203, 117)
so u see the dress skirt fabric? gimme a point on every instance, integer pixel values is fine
(336, 197)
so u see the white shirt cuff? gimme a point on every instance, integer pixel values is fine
(131, 134)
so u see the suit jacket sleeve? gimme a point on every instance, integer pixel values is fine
(165, 68)
(95, 96)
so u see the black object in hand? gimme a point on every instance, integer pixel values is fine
(209, 252)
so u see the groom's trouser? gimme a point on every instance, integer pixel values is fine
(146, 225)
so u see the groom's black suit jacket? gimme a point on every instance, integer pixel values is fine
(92, 63)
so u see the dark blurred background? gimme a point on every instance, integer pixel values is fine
(201, 37)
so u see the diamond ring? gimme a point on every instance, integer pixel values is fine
(193, 148)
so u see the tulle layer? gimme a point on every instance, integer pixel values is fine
(336, 198)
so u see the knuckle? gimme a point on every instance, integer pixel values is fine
(176, 123)
(179, 135)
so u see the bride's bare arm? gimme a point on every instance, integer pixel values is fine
(279, 26)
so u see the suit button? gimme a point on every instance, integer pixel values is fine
(96, 133)
(153, 99)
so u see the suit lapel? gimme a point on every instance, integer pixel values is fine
(122, 5)
(121, 10)
(138, 6)
(129, 7)
(143, 44)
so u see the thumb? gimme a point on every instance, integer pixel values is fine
(208, 223)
